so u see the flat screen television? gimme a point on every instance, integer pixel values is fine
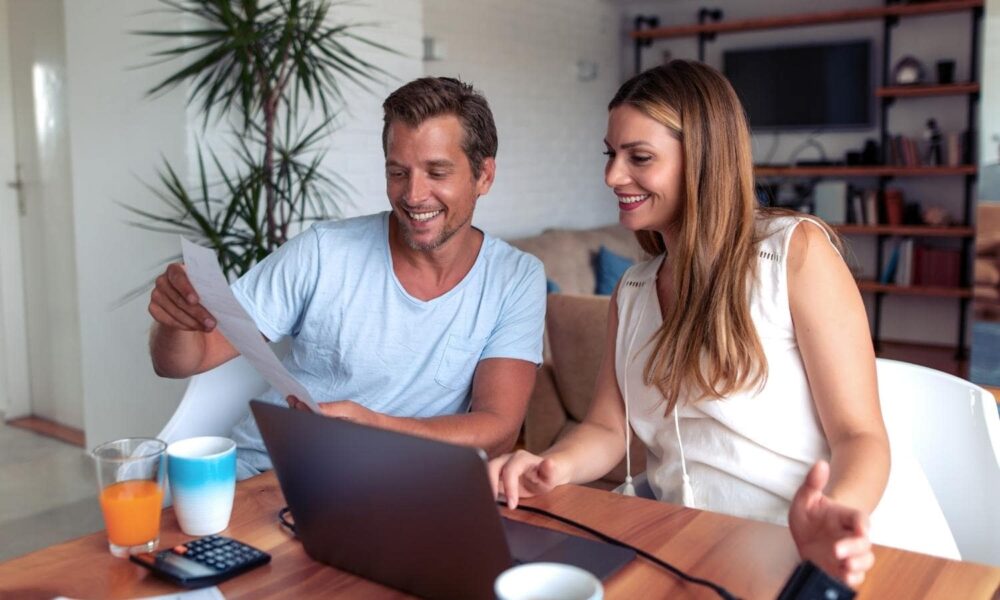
(810, 86)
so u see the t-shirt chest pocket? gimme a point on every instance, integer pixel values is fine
(458, 361)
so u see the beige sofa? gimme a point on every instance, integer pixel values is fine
(575, 327)
(987, 264)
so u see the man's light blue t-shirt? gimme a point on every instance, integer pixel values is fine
(356, 334)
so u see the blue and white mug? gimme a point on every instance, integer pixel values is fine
(202, 473)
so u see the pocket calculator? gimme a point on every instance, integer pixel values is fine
(206, 561)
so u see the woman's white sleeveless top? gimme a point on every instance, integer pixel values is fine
(747, 454)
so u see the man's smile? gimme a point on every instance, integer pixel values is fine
(423, 216)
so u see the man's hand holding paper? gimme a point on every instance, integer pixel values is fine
(196, 297)
(174, 302)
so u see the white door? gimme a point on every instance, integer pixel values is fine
(14, 386)
(37, 65)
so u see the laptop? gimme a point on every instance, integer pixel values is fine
(408, 512)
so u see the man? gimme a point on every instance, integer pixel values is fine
(410, 320)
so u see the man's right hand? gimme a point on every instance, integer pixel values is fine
(174, 302)
(523, 475)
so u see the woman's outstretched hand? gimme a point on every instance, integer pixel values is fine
(523, 475)
(831, 535)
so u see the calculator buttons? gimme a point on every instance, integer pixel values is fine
(218, 553)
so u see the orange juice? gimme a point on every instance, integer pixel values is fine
(132, 512)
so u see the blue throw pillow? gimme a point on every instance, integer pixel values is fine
(608, 269)
(551, 287)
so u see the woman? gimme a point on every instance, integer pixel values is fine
(740, 353)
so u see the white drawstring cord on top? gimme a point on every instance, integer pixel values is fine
(687, 496)
(628, 489)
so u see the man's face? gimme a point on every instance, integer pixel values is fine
(429, 181)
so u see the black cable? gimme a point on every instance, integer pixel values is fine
(774, 148)
(810, 141)
(718, 589)
(283, 520)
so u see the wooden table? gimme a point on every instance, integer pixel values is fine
(751, 559)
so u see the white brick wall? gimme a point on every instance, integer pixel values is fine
(522, 55)
(356, 150)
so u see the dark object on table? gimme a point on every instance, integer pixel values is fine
(203, 562)
(809, 582)
(908, 71)
(853, 158)
(935, 151)
(945, 72)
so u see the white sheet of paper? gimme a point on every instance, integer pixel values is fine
(214, 294)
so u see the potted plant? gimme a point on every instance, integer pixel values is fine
(272, 72)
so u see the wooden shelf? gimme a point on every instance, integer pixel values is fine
(914, 290)
(915, 91)
(862, 171)
(838, 16)
(909, 230)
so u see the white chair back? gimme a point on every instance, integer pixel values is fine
(215, 401)
(953, 429)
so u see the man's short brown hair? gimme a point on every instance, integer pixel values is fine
(429, 97)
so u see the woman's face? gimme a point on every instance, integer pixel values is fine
(645, 169)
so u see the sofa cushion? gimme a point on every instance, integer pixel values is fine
(576, 327)
(565, 257)
(987, 242)
(982, 293)
(568, 253)
(546, 416)
(608, 269)
(987, 272)
(988, 216)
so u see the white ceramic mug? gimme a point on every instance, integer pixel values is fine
(202, 474)
(547, 581)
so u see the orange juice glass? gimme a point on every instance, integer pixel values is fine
(130, 473)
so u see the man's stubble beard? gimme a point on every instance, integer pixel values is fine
(434, 244)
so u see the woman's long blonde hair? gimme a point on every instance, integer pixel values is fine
(707, 346)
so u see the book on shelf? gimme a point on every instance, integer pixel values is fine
(936, 266)
(904, 151)
(891, 263)
(904, 266)
(892, 203)
(856, 212)
(953, 149)
(830, 201)
(907, 263)
(871, 207)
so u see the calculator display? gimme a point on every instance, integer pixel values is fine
(189, 567)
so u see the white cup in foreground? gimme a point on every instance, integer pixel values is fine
(547, 581)
(202, 474)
